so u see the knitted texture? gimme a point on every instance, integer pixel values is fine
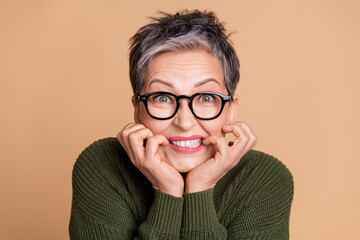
(113, 200)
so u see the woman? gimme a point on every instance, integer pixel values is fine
(171, 174)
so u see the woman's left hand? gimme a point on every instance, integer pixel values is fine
(227, 156)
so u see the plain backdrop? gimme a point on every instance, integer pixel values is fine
(64, 84)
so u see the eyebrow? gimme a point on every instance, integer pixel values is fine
(198, 84)
(206, 81)
(162, 82)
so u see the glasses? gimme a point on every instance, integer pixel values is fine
(164, 105)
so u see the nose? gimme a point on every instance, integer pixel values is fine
(184, 119)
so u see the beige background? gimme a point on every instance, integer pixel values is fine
(64, 84)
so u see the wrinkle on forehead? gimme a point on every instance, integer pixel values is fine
(184, 69)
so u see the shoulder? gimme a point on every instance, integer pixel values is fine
(264, 164)
(266, 171)
(267, 180)
(102, 162)
(257, 177)
(101, 148)
(101, 153)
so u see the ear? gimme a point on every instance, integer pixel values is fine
(136, 109)
(233, 106)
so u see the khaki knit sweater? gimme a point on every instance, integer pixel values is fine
(113, 200)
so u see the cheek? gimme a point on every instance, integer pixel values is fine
(214, 127)
(155, 126)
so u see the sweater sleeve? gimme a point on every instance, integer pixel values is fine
(200, 220)
(104, 208)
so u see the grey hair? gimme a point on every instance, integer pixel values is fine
(186, 30)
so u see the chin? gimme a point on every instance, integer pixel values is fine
(185, 168)
(184, 162)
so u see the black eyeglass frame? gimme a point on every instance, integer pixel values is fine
(224, 100)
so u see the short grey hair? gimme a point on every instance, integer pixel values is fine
(185, 30)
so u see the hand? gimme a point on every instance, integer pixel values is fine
(227, 156)
(162, 176)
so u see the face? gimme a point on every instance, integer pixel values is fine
(185, 73)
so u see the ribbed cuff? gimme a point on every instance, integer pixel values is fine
(165, 213)
(199, 210)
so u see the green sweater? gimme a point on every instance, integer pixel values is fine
(113, 200)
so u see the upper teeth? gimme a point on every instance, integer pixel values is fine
(187, 144)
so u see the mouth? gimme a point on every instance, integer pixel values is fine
(186, 144)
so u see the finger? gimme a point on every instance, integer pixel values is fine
(239, 133)
(251, 136)
(239, 147)
(138, 136)
(127, 130)
(153, 145)
(136, 140)
(124, 132)
(232, 129)
(122, 138)
(119, 135)
(131, 127)
(210, 140)
(244, 143)
(220, 143)
(235, 128)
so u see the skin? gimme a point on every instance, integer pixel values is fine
(187, 73)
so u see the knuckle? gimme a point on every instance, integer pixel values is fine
(237, 123)
(238, 128)
(148, 131)
(124, 133)
(132, 136)
(118, 136)
(245, 137)
(150, 141)
(153, 137)
(156, 136)
(128, 125)
(254, 140)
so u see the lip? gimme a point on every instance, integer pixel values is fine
(185, 150)
(181, 138)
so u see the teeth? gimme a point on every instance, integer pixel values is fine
(187, 144)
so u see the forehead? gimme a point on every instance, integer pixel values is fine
(184, 70)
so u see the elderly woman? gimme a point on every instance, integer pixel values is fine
(171, 174)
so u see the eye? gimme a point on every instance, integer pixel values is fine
(162, 98)
(206, 98)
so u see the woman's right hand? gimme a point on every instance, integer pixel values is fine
(147, 159)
